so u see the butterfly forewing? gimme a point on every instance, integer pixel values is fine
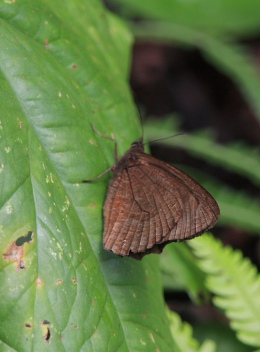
(151, 203)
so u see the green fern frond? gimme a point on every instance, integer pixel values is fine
(235, 283)
(182, 336)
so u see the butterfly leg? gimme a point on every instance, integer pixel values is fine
(103, 173)
(107, 137)
(116, 156)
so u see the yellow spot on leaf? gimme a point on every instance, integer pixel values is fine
(49, 178)
(39, 282)
(143, 342)
(9, 209)
(152, 338)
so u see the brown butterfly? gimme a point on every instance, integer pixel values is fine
(151, 203)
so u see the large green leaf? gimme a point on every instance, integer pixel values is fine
(216, 16)
(63, 65)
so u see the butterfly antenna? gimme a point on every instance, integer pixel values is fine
(116, 156)
(162, 139)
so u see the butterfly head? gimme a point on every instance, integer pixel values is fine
(137, 146)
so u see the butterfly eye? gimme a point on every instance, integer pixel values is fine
(138, 143)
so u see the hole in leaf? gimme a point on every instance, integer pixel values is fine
(21, 266)
(24, 239)
(45, 322)
(28, 326)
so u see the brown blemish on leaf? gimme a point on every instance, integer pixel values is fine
(20, 125)
(39, 282)
(45, 322)
(93, 142)
(58, 282)
(75, 67)
(46, 44)
(92, 205)
(74, 280)
(15, 252)
(28, 326)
